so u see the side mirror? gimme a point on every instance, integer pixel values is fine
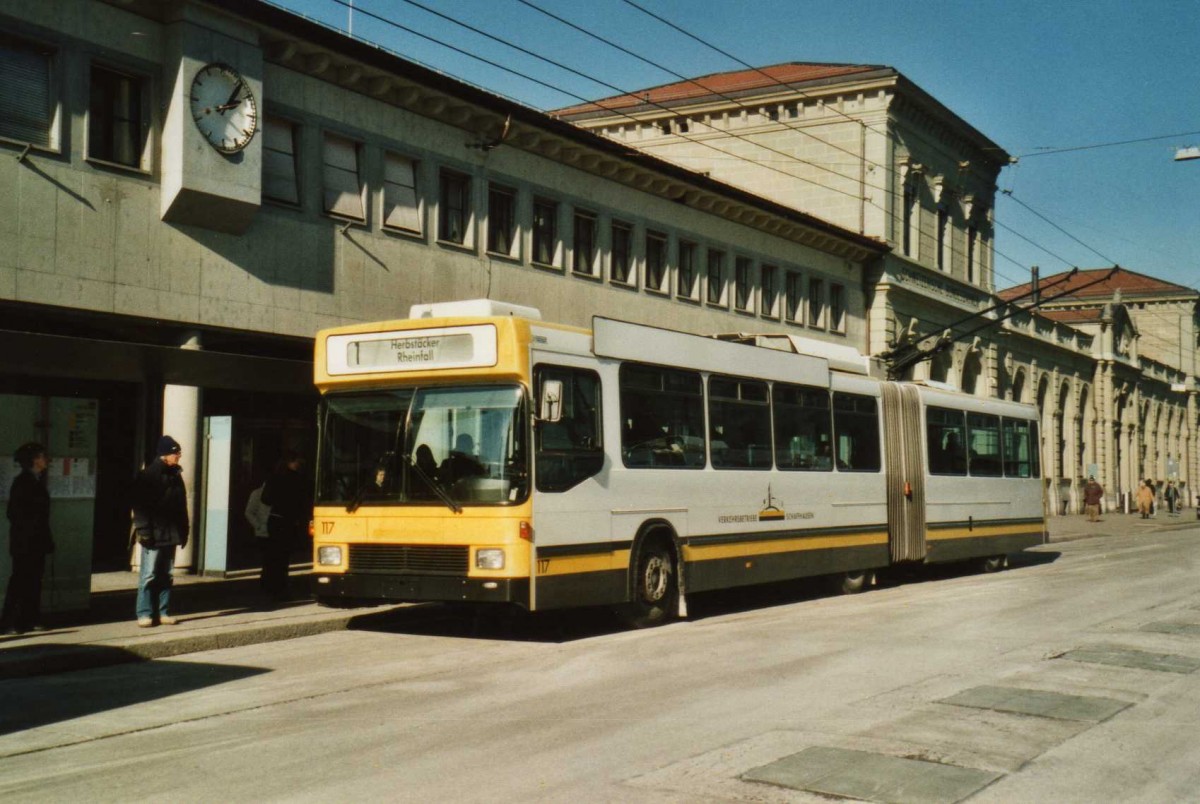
(550, 405)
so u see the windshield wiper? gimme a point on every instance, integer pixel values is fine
(353, 505)
(442, 494)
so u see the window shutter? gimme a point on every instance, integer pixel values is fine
(400, 194)
(343, 193)
(25, 94)
(279, 161)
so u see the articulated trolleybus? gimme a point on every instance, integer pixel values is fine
(475, 453)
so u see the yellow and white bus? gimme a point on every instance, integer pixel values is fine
(473, 452)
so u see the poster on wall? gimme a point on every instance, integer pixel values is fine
(70, 478)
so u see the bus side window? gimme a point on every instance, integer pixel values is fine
(946, 445)
(571, 449)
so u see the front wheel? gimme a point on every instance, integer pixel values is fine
(851, 583)
(655, 588)
(993, 563)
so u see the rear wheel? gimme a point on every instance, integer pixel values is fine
(655, 587)
(851, 583)
(993, 563)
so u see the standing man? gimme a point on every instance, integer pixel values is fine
(160, 524)
(29, 541)
(1171, 495)
(1093, 492)
(285, 492)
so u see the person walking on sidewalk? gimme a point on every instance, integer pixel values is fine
(29, 541)
(160, 524)
(1145, 499)
(290, 510)
(1093, 492)
(1171, 495)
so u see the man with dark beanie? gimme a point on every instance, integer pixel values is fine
(160, 524)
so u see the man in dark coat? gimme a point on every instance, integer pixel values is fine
(29, 541)
(287, 494)
(160, 524)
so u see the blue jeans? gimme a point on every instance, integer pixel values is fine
(154, 581)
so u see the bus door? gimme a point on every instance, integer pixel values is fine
(905, 469)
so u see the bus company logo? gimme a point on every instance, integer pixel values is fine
(771, 512)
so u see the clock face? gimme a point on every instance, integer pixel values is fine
(223, 107)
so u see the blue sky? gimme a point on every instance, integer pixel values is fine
(1032, 75)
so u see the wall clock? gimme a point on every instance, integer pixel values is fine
(224, 108)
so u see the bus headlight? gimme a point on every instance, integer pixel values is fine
(329, 556)
(489, 559)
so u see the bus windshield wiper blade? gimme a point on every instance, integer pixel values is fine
(442, 494)
(358, 499)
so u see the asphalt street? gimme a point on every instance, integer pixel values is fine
(1072, 676)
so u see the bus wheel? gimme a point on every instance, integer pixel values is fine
(655, 587)
(851, 583)
(993, 563)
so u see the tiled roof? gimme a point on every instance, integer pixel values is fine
(1130, 283)
(729, 83)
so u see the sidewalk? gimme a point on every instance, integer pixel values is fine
(224, 613)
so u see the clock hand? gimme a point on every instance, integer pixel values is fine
(233, 101)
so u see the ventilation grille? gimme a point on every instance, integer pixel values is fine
(417, 559)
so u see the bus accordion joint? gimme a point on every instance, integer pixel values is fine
(526, 531)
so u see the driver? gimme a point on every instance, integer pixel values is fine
(461, 462)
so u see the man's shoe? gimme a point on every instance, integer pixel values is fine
(145, 622)
(166, 619)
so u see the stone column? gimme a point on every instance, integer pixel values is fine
(181, 421)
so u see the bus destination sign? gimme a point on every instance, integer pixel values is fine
(414, 350)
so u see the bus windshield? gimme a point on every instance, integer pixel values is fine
(439, 446)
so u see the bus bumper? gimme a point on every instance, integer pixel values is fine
(423, 588)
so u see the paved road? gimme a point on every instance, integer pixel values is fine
(1071, 677)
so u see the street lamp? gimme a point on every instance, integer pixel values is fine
(1184, 154)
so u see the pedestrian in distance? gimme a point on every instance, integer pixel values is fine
(29, 541)
(1093, 493)
(1145, 499)
(1171, 495)
(160, 525)
(286, 493)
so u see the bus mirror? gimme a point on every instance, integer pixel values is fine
(550, 405)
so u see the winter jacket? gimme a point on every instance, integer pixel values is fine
(160, 510)
(29, 517)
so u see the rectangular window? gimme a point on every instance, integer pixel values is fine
(583, 257)
(855, 433)
(279, 161)
(454, 208)
(686, 277)
(1020, 448)
(502, 220)
(803, 428)
(743, 285)
(570, 450)
(911, 220)
(793, 298)
(739, 423)
(26, 98)
(545, 231)
(116, 127)
(401, 208)
(816, 302)
(662, 417)
(972, 243)
(656, 261)
(769, 293)
(983, 445)
(837, 308)
(622, 252)
(944, 433)
(714, 283)
(343, 183)
(943, 242)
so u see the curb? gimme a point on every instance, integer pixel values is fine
(51, 659)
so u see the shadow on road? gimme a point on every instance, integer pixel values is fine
(512, 624)
(31, 702)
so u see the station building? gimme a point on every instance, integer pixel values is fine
(190, 189)
(1109, 358)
